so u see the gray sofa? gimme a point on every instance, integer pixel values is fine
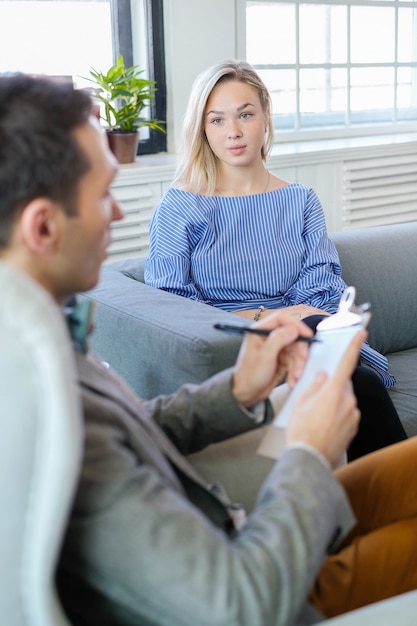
(157, 340)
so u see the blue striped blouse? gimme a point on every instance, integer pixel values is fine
(237, 253)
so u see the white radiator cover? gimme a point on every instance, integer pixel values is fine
(379, 190)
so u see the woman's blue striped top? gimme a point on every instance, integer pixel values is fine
(237, 253)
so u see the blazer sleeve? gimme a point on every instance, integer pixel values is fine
(139, 549)
(199, 415)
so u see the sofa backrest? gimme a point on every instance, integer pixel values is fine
(381, 263)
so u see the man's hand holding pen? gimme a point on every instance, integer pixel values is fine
(264, 361)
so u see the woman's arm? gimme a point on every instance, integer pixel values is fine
(168, 265)
(319, 283)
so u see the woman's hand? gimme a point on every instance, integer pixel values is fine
(263, 362)
(298, 312)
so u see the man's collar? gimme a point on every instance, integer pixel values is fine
(79, 316)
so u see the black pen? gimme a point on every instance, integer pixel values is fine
(240, 329)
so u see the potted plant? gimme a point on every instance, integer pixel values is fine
(124, 95)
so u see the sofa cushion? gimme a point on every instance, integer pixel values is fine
(134, 270)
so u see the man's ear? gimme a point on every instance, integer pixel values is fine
(40, 226)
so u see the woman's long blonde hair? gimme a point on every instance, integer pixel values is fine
(197, 166)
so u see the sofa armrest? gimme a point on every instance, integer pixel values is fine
(154, 339)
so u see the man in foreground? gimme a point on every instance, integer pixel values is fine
(149, 542)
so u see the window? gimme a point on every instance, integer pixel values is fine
(73, 35)
(336, 68)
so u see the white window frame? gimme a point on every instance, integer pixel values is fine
(298, 133)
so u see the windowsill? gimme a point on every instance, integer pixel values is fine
(341, 144)
(147, 168)
(152, 160)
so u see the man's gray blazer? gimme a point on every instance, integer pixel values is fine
(149, 543)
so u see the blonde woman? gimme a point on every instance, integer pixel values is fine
(231, 234)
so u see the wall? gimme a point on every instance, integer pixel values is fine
(198, 34)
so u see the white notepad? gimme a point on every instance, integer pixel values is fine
(334, 334)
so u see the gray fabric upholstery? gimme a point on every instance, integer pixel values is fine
(404, 394)
(381, 263)
(154, 339)
(157, 340)
(40, 449)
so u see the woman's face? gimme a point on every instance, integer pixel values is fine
(235, 123)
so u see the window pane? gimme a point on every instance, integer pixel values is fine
(407, 23)
(323, 90)
(282, 87)
(372, 88)
(372, 34)
(407, 93)
(313, 92)
(323, 34)
(339, 90)
(270, 33)
(76, 35)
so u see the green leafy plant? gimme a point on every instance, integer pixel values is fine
(124, 95)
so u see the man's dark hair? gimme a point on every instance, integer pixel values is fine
(39, 156)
